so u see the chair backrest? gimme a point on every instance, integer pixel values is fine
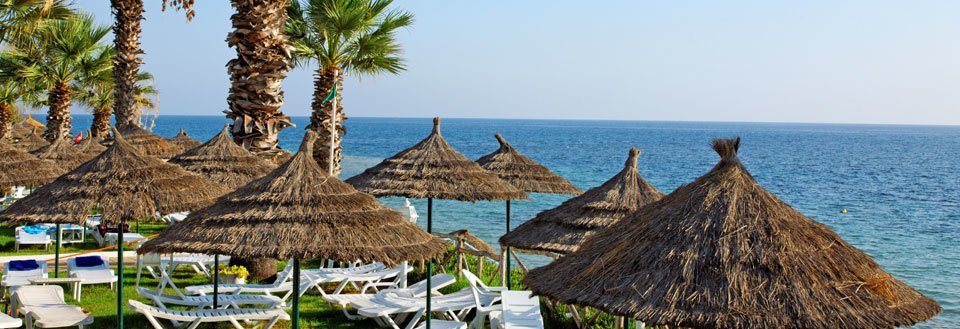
(39, 295)
(477, 287)
(437, 281)
(39, 272)
(72, 265)
(410, 213)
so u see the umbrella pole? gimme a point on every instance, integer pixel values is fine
(56, 254)
(507, 258)
(120, 275)
(216, 279)
(295, 321)
(430, 261)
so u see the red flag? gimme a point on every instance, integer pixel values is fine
(76, 140)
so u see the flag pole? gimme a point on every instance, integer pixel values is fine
(333, 122)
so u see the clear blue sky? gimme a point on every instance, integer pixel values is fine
(855, 61)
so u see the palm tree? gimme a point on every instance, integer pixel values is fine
(126, 65)
(263, 60)
(98, 93)
(19, 19)
(71, 51)
(342, 37)
(8, 107)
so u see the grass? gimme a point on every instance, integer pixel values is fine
(315, 312)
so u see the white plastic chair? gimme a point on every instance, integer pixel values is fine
(22, 237)
(44, 307)
(410, 212)
(521, 310)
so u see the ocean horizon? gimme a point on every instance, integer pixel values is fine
(898, 183)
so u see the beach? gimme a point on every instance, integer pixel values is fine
(897, 183)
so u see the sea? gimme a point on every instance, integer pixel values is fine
(899, 184)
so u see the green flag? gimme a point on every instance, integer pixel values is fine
(333, 93)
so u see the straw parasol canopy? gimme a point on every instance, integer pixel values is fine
(433, 169)
(223, 161)
(723, 252)
(63, 153)
(183, 141)
(524, 173)
(19, 168)
(125, 183)
(299, 212)
(563, 229)
(150, 144)
(31, 142)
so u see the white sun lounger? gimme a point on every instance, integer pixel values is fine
(162, 300)
(358, 301)
(371, 281)
(196, 317)
(7, 321)
(174, 217)
(283, 284)
(100, 274)
(443, 324)
(22, 278)
(391, 307)
(22, 237)
(44, 307)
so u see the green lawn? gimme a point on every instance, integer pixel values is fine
(315, 313)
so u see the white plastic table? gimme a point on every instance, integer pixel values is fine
(73, 282)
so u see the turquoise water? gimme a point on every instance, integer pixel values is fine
(899, 183)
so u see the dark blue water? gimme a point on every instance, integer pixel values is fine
(900, 184)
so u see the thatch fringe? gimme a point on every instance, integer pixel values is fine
(524, 173)
(19, 168)
(124, 183)
(563, 229)
(63, 153)
(433, 169)
(223, 161)
(297, 211)
(723, 252)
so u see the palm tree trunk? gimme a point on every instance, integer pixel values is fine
(263, 59)
(101, 122)
(58, 116)
(323, 84)
(6, 116)
(126, 64)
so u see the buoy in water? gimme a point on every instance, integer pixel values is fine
(843, 211)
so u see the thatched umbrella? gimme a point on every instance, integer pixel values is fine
(63, 153)
(525, 174)
(223, 161)
(433, 169)
(563, 229)
(183, 141)
(150, 144)
(19, 168)
(126, 184)
(25, 127)
(723, 252)
(31, 142)
(299, 212)
(91, 145)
